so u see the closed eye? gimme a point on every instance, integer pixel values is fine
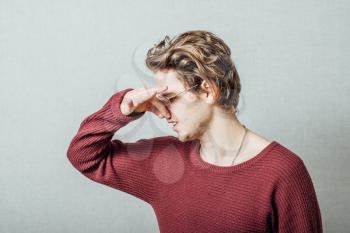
(169, 94)
(172, 99)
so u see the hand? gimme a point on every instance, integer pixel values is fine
(144, 99)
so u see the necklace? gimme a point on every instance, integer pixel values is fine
(239, 149)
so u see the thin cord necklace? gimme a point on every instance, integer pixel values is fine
(239, 149)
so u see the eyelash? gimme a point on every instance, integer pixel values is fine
(172, 99)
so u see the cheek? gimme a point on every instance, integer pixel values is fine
(197, 116)
(181, 109)
(191, 103)
(190, 110)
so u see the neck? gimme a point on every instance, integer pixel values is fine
(222, 138)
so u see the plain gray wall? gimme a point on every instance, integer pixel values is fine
(61, 60)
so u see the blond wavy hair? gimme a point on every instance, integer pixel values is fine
(196, 56)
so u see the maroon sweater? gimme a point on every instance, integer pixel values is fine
(272, 192)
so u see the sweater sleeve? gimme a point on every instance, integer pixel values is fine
(296, 208)
(120, 165)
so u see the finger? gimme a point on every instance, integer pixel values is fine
(147, 94)
(155, 110)
(161, 89)
(157, 89)
(144, 95)
(161, 108)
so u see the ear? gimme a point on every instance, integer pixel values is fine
(210, 92)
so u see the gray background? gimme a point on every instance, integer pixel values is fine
(61, 60)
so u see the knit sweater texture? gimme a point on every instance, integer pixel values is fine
(271, 192)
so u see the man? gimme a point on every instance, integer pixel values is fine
(217, 175)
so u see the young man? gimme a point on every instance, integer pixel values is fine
(216, 175)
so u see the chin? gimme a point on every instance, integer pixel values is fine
(184, 137)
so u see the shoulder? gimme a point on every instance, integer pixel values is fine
(277, 157)
(283, 162)
(284, 154)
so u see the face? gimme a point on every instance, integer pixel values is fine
(190, 113)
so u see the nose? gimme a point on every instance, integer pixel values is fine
(169, 115)
(169, 118)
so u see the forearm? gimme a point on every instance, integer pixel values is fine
(92, 142)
